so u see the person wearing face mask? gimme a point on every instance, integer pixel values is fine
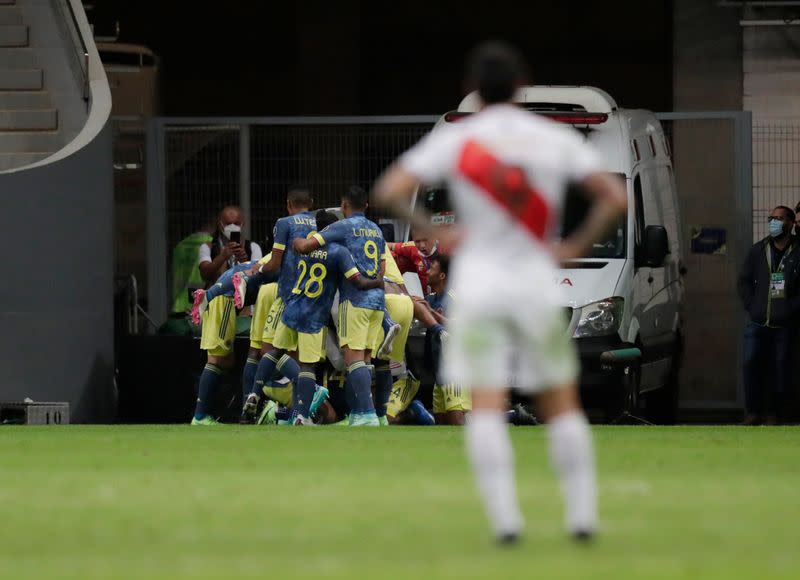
(228, 247)
(769, 287)
(415, 256)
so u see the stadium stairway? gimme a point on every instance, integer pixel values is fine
(29, 122)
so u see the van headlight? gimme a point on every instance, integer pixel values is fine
(600, 318)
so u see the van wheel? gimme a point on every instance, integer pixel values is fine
(662, 404)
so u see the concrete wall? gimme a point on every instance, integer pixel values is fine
(56, 311)
(708, 77)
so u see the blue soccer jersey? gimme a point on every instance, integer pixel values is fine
(318, 276)
(364, 240)
(440, 302)
(224, 284)
(286, 230)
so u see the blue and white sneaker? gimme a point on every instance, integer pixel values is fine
(320, 396)
(364, 420)
(422, 415)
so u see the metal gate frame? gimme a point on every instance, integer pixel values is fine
(157, 250)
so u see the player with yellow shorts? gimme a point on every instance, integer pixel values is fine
(360, 311)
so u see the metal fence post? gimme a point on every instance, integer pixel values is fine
(156, 223)
(244, 178)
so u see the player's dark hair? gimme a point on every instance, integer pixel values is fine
(300, 197)
(787, 210)
(444, 263)
(495, 70)
(324, 219)
(356, 197)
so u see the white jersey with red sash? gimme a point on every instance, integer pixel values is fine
(507, 171)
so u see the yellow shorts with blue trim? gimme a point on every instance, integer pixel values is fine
(281, 395)
(310, 347)
(219, 327)
(401, 310)
(451, 398)
(404, 390)
(266, 297)
(359, 328)
(273, 318)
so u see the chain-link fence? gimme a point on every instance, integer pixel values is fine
(197, 166)
(776, 171)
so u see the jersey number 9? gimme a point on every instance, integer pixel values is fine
(316, 274)
(371, 252)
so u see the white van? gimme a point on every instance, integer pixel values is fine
(624, 298)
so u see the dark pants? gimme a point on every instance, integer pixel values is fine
(767, 367)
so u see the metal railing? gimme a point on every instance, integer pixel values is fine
(80, 53)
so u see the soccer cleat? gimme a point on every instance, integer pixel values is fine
(388, 341)
(343, 423)
(207, 420)
(320, 396)
(267, 416)
(583, 536)
(508, 538)
(239, 289)
(384, 421)
(303, 421)
(420, 413)
(199, 306)
(364, 420)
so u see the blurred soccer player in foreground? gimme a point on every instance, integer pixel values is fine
(508, 171)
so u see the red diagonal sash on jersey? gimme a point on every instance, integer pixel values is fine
(506, 185)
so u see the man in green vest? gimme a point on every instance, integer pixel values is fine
(186, 276)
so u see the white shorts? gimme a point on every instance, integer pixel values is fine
(508, 341)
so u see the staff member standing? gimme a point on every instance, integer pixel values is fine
(769, 286)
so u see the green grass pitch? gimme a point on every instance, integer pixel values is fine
(231, 502)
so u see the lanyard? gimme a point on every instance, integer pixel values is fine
(783, 258)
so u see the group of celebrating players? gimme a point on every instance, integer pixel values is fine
(508, 172)
(300, 337)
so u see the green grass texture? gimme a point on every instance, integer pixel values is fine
(397, 502)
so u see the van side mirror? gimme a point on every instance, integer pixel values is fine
(655, 246)
(388, 232)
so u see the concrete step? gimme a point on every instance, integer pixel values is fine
(25, 100)
(21, 79)
(13, 35)
(14, 160)
(18, 58)
(10, 14)
(29, 120)
(29, 141)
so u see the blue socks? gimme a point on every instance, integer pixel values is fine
(289, 368)
(303, 394)
(383, 387)
(387, 322)
(359, 389)
(270, 362)
(209, 381)
(249, 377)
(264, 372)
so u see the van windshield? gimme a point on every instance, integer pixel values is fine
(436, 201)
